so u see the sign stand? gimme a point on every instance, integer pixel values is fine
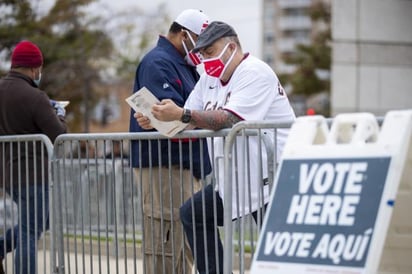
(334, 196)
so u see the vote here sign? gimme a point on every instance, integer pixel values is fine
(322, 216)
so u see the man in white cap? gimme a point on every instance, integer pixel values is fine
(169, 171)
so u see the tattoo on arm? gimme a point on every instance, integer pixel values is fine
(214, 119)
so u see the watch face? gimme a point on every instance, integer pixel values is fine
(185, 119)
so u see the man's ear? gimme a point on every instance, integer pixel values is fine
(184, 34)
(33, 72)
(232, 46)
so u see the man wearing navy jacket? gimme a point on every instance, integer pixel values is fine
(169, 72)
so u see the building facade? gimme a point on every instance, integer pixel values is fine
(372, 56)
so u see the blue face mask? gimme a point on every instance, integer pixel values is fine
(37, 81)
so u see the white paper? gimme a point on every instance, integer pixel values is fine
(63, 104)
(142, 101)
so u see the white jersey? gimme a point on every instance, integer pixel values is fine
(252, 93)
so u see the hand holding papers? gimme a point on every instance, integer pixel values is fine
(142, 101)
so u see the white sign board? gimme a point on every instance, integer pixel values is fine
(333, 197)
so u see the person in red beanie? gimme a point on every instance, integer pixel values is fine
(25, 109)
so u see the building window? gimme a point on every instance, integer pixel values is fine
(269, 38)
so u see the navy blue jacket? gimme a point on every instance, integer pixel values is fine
(167, 75)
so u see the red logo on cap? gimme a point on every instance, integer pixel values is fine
(205, 24)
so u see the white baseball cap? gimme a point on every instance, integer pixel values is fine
(194, 20)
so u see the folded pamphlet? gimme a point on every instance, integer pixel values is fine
(142, 101)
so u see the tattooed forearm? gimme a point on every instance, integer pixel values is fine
(214, 119)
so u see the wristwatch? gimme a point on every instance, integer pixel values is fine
(186, 116)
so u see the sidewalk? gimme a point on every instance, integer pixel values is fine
(88, 264)
(85, 264)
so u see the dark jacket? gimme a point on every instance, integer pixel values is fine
(167, 75)
(25, 109)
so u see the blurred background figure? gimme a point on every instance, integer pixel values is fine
(25, 109)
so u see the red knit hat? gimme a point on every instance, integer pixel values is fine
(26, 54)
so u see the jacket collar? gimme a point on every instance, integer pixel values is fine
(164, 43)
(15, 74)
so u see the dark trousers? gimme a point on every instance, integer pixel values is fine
(33, 205)
(206, 249)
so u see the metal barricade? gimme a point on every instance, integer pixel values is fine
(96, 199)
(99, 209)
(241, 235)
(25, 241)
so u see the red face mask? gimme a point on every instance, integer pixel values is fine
(191, 58)
(214, 66)
(195, 58)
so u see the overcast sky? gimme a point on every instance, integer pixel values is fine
(243, 15)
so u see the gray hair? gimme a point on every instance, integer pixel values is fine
(234, 39)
